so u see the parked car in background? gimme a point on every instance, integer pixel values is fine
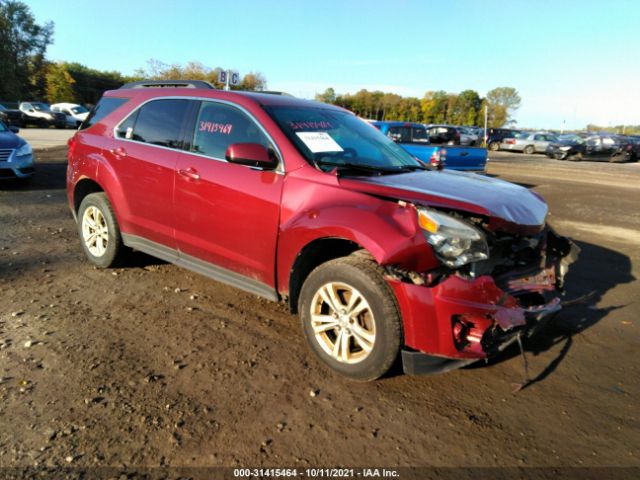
(528, 142)
(301, 202)
(10, 116)
(40, 115)
(599, 147)
(496, 135)
(16, 157)
(468, 136)
(414, 138)
(75, 113)
(443, 135)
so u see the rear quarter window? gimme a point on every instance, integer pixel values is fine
(105, 106)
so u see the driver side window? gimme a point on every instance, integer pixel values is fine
(219, 126)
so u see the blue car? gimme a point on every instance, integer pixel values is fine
(16, 157)
(432, 146)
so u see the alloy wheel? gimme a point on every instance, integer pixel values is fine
(95, 232)
(343, 323)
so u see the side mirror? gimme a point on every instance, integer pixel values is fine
(31, 110)
(251, 154)
(14, 129)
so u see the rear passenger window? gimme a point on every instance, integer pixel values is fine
(420, 135)
(219, 126)
(105, 106)
(160, 122)
(400, 134)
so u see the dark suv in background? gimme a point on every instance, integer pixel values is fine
(496, 135)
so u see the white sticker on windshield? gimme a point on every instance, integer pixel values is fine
(319, 142)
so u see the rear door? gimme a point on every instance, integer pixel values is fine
(594, 148)
(227, 215)
(143, 156)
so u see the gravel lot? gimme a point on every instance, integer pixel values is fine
(46, 137)
(155, 366)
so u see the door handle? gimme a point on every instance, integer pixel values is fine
(119, 152)
(189, 174)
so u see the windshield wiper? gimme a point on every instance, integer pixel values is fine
(370, 168)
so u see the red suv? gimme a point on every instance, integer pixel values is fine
(304, 203)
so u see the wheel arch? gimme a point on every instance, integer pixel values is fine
(314, 254)
(84, 187)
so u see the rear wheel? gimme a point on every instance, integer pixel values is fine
(99, 232)
(529, 149)
(350, 317)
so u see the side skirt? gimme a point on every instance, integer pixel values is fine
(199, 266)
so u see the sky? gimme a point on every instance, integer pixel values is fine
(573, 62)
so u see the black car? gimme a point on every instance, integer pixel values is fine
(443, 135)
(10, 116)
(40, 115)
(597, 147)
(496, 135)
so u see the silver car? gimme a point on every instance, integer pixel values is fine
(528, 142)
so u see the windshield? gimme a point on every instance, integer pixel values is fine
(79, 109)
(41, 107)
(3, 128)
(334, 138)
(2, 108)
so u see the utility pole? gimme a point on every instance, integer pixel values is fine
(486, 119)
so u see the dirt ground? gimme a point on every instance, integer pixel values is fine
(152, 365)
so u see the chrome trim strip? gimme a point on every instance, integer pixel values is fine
(280, 169)
(200, 266)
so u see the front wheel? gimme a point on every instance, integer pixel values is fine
(99, 232)
(350, 317)
(494, 146)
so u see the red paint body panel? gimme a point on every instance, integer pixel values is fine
(427, 313)
(229, 216)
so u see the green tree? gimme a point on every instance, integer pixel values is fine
(503, 103)
(59, 84)
(328, 96)
(467, 107)
(253, 81)
(23, 44)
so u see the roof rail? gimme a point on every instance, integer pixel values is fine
(168, 84)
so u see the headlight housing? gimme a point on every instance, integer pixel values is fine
(566, 147)
(455, 242)
(24, 150)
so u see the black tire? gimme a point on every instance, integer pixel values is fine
(494, 146)
(115, 252)
(363, 274)
(529, 150)
(576, 157)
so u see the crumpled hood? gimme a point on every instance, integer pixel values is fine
(510, 207)
(10, 140)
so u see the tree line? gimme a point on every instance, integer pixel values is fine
(28, 75)
(464, 108)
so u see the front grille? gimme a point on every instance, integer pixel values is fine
(5, 153)
(7, 173)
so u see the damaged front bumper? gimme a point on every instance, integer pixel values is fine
(463, 319)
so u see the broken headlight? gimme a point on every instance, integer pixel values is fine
(455, 242)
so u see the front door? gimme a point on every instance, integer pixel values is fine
(227, 215)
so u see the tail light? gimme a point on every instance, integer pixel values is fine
(510, 141)
(438, 158)
(71, 143)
